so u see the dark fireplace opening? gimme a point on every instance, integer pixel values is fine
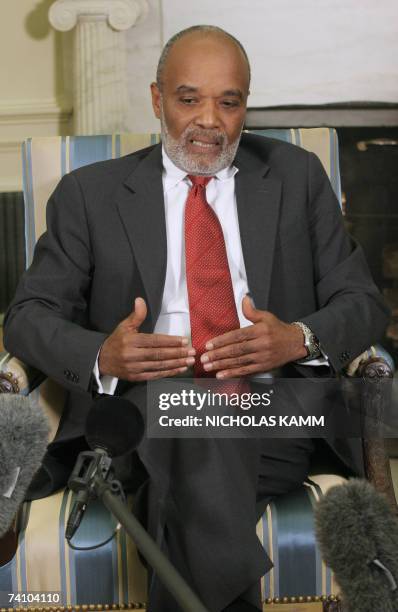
(12, 245)
(369, 177)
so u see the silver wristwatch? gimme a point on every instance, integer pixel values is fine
(311, 342)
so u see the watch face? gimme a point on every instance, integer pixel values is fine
(315, 348)
(311, 344)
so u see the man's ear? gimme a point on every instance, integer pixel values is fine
(156, 99)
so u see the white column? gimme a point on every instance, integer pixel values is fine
(100, 100)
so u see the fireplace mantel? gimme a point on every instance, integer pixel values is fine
(350, 114)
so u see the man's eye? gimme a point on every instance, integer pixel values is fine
(188, 100)
(230, 103)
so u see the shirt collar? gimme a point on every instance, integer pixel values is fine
(172, 175)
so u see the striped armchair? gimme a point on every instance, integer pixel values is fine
(111, 574)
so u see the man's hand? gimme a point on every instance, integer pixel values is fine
(134, 356)
(267, 344)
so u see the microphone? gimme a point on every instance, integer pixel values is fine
(23, 441)
(114, 427)
(358, 536)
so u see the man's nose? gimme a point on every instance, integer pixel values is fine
(208, 116)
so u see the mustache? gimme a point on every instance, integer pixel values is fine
(216, 136)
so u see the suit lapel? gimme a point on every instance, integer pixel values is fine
(141, 207)
(258, 200)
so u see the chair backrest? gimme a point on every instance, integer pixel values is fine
(46, 160)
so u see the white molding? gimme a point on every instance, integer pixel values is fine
(12, 183)
(11, 146)
(33, 111)
(121, 14)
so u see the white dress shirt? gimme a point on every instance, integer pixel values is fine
(174, 313)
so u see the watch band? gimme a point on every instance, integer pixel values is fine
(311, 342)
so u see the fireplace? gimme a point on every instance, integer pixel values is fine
(369, 176)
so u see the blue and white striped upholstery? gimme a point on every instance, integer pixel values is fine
(321, 141)
(112, 574)
(46, 160)
(109, 574)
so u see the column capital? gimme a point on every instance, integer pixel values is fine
(121, 14)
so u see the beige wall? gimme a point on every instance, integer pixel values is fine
(306, 51)
(302, 52)
(33, 99)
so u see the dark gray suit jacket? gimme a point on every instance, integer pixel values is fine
(106, 244)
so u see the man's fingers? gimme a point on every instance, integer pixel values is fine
(156, 375)
(233, 362)
(250, 312)
(138, 315)
(231, 351)
(136, 358)
(242, 371)
(233, 337)
(161, 340)
(253, 314)
(141, 353)
(168, 364)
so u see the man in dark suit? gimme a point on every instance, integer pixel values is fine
(116, 237)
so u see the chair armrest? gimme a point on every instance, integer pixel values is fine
(374, 367)
(17, 377)
(366, 364)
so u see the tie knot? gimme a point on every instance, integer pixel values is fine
(200, 181)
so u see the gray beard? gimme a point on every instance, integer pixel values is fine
(176, 150)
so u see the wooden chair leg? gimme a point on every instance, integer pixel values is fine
(332, 606)
(377, 376)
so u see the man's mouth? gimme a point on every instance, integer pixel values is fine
(205, 144)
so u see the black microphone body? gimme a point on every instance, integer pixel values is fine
(88, 465)
(23, 441)
(114, 424)
(358, 536)
(76, 515)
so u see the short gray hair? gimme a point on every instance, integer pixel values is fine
(204, 29)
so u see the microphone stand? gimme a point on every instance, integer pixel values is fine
(92, 482)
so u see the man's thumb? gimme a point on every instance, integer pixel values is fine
(138, 315)
(249, 312)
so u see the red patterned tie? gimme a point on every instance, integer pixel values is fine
(212, 306)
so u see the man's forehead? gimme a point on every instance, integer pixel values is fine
(200, 52)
